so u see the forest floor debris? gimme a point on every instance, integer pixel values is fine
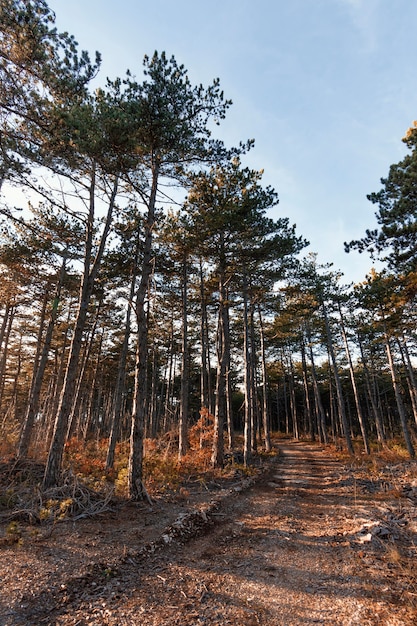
(306, 541)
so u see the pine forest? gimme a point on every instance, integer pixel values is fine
(149, 304)
(200, 423)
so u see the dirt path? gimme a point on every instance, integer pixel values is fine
(304, 545)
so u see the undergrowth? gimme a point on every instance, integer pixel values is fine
(163, 470)
(87, 482)
(87, 488)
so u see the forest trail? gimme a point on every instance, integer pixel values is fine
(307, 543)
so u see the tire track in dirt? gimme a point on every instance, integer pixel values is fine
(281, 553)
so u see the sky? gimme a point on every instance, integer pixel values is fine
(327, 88)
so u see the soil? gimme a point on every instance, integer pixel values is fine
(309, 540)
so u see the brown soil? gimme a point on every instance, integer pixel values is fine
(308, 541)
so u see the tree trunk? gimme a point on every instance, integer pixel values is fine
(339, 393)
(293, 403)
(90, 423)
(229, 411)
(54, 461)
(248, 426)
(310, 421)
(371, 395)
(321, 415)
(34, 399)
(354, 385)
(397, 391)
(136, 487)
(205, 399)
(74, 416)
(120, 381)
(265, 412)
(253, 380)
(153, 421)
(223, 346)
(3, 360)
(59, 375)
(169, 378)
(183, 425)
(411, 379)
(7, 311)
(13, 394)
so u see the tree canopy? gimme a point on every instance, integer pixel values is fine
(395, 242)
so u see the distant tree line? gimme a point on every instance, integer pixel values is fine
(144, 286)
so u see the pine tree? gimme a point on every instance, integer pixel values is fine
(395, 242)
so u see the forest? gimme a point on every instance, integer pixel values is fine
(148, 301)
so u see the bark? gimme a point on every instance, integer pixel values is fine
(136, 488)
(339, 392)
(183, 426)
(91, 267)
(229, 412)
(223, 347)
(7, 311)
(13, 394)
(265, 411)
(153, 418)
(335, 424)
(293, 403)
(287, 404)
(120, 382)
(205, 399)
(321, 415)
(34, 399)
(247, 374)
(6, 335)
(59, 375)
(91, 404)
(310, 422)
(411, 379)
(169, 377)
(135, 468)
(253, 379)
(39, 343)
(85, 360)
(371, 395)
(397, 391)
(359, 411)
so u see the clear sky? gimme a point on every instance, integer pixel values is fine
(327, 88)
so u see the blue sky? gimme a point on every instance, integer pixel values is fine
(327, 88)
